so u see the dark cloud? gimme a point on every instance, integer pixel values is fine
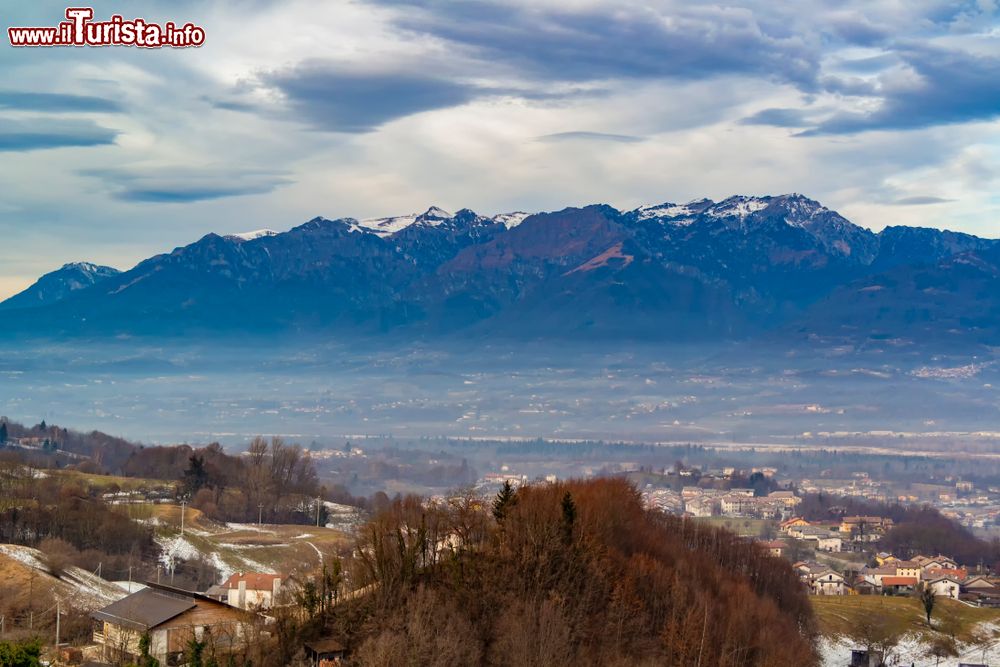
(35, 135)
(949, 87)
(184, 186)
(921, 201)
(590, 136)
(858, 30)
(55, 102)
(340, 100)
(187, 194)
(778, 118)
(616, 42)
(851, 86)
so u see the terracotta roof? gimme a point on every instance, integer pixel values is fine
(957, 573)
(899, 581)
(256, 581)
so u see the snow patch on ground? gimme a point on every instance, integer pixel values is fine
(911, 650)
(248, 526)
(343, 517)
(241, 547)
(129, 586)
(76, 585)
(176, 548)
(222, 567)
(25, 555)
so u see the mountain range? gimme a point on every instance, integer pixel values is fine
(744, 266)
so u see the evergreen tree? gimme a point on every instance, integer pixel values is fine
(927, 598)
(196, 475)
(3, 433)
(195, 649)
(145, 659)
(506, 498)
(21, 654)
(568, 517)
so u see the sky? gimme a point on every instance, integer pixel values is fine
(887, 111)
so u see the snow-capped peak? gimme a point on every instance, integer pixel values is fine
(250, 236)
(666, 210)
(435, 213)
(389, 226)
(510, 220)
(739, 207)
(84, 267)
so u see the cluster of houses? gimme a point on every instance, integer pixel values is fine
(699, 502)
(893, 576)
(163, 620)
(851, 533)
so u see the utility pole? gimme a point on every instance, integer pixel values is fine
(58, 615)
(260, 515)
(317, 511)
(183, 503)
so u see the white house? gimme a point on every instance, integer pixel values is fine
(828, 582)
(945, 587)
(252, 590)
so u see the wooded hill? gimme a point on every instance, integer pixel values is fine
(577, 573)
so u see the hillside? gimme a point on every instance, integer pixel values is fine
(235, 547)
(568, 574)
(846, 622)
(72, 584)
(698, 271)
(59, 284)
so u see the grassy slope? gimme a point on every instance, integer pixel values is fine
(278, 547)
(740, 526)
(837, 615)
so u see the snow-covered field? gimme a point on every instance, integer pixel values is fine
(77, 585)
(911, 651)
(178, 548)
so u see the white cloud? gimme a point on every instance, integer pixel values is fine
(217, 124)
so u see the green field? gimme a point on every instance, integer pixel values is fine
(107, 482)
(280, 547)
(841, 616)
(740, 526)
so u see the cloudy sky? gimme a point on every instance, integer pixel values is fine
(885, 110)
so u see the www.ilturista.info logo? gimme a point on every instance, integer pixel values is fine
(79, 29)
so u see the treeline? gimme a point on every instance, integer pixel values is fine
(273, 480)
(106, 452)
(35, 508)
(917, 529)
(569, 574)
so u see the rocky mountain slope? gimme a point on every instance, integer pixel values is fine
(701, 270)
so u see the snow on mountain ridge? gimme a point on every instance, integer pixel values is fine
(510, 220)
(250, 236)
(739, 207)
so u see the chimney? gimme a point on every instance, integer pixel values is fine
(242, 600)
